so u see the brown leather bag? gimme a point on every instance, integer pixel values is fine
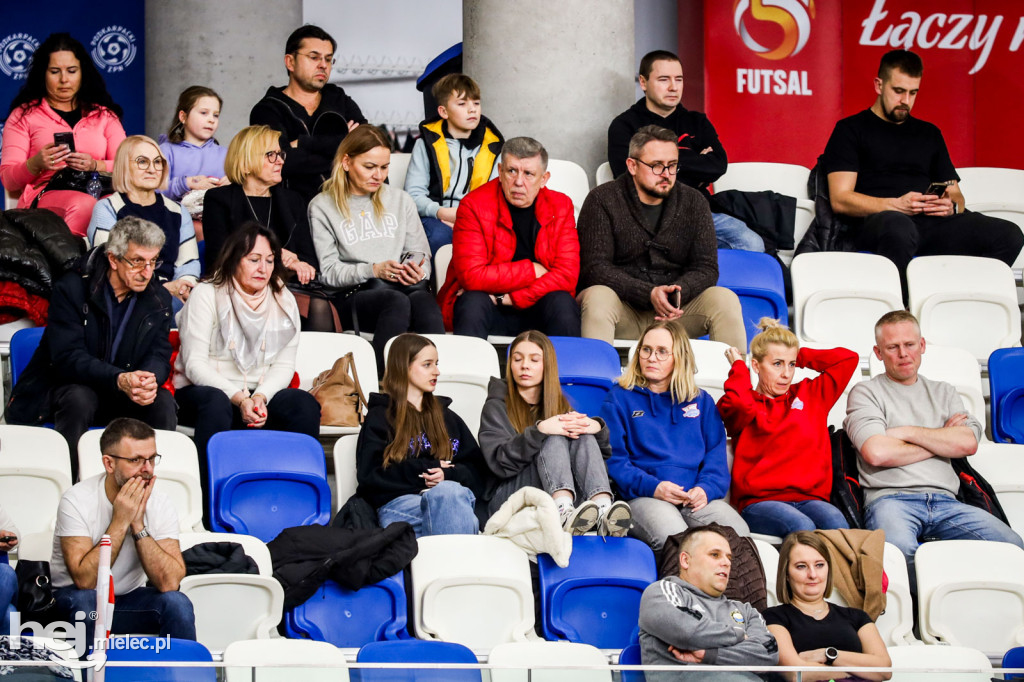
(339, 394)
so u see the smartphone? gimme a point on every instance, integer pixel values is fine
(677, 299)
(416, 257)
(937, 188)
(65, 138)
(8, 538)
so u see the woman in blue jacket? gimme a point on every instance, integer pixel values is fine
(668, 442)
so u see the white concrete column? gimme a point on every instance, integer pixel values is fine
(555, 71)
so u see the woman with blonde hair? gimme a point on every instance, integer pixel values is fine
(416, 460)
(813, 632)
(782, 470)
(668, 443)
(370, 243)
(530, 436)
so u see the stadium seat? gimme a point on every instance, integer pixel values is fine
(350, 619)
(233, 607)
(442, 259)
(467, 365)
(1014, 658)
(345, 482)
(755, 176)
(587, 369)
(472, 589)
(318, 351)
(603, 174)
(177, 474)
(971, 593)
(757, 279)
(1002, 465)
(966, 302)
(1006, 388)
(262, 482)
(838, 297)
(8, 329)
(997, 192)
(284, 660)
(398, 169)
(519, 659)
(35, 470)
(595, 599)
(769, 555)
(415, 651)
(570, 179)
(937, 664)
(176, 651)
(23, 345)
(630, 655)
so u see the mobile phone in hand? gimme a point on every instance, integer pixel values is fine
(677, 299)
(8, 538)
(65, 138)
(416, 257)
(937, 189)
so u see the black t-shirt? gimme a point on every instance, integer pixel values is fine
(839, 628)
(890, 159)
(652, 215)
(525, 225)
(70, 117)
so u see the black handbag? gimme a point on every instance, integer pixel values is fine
(68, 179)
(35, 592)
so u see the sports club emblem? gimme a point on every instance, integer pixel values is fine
(113, 48)
(16, 54)
(792, 16)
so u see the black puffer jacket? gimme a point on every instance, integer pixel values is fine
(36, 248)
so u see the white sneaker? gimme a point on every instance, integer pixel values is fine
(617, 521)
(580, 520)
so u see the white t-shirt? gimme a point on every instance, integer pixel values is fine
(85, 511)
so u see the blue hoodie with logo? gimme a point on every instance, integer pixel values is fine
(655, 439)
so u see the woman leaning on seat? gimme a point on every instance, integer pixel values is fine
(668, 443)
(416, 460)
(370, 243)
(782, 471)
(239, 337)
(530, 436)
(813, 632)
(63, 93)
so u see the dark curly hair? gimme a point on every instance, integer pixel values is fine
(93, 91)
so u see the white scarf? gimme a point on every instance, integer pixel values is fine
(252, 325)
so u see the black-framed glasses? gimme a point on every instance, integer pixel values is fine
(659, 167)
(137, 264)
(143, 163)
(136, 461)
(316, 58)
(276, 155)
(659, 353)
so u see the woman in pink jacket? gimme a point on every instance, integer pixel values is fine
(63, 93)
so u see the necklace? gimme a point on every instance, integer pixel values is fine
(813, 613)
(269, 210)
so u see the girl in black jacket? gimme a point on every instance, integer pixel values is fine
(417, 461)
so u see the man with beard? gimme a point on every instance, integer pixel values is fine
(312, 115)
(886, 171)
(648, 252)
(143, 529)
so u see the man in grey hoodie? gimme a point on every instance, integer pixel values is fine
(689, 620)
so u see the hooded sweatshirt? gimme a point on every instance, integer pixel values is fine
(185, 159)
(655, 439)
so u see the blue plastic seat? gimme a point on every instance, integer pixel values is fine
(414, 651)
(587, 370)
(23, 346)
(351, 619)
(757, 279)
(631, 656)
(1006, 381)
(596, 598)
(179, 650)
(262, 482)
(1014, 658)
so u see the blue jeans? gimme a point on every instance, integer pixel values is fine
(8, 594)
(438, 233)
(445, 509)
(733, 233)
(774, 517)
(909, 519)
(144, 610)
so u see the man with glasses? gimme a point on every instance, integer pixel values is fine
(105, 352)
(647, 252)
(143, 528)
(702, 158)
(312, 115)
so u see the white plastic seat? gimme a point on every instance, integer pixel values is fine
(231, 607)
(966, 302)
(1002, 465)
(770, 563)
(756, 176)
(520, 657)
(398, 169)
(35, 546)
(570, 179)
(937, 661)
(896, 623)
(467, 365)
(472, 589)
(7, 331)
(442, 261)
(344, 469)
(838, 297)
(603, 174)
(177, 475)
(319, 350)
(971, 593)
(289, 659)
(996, 192)
(35, 471)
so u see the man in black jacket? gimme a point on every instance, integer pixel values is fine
(312, 115)
(105, 352)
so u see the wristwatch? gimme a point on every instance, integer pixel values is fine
(831, 654)
(144, 533)
(500, 298)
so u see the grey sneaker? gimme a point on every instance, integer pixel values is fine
(617, 521)
(582, 519)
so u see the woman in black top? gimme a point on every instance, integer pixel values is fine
(811, 631)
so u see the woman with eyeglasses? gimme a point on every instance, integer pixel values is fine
(253, 165)
(139, 171)
(668, 443)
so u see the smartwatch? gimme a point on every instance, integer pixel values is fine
(831, 654)
(144, 533)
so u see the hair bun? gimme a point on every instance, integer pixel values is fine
(766, 323)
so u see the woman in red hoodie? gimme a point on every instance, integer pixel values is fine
(782, 471)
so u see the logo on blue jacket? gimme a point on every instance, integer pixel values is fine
(638, 413)
(691, 411)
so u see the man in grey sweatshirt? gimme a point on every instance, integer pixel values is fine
(689, 620)
(906, 428)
